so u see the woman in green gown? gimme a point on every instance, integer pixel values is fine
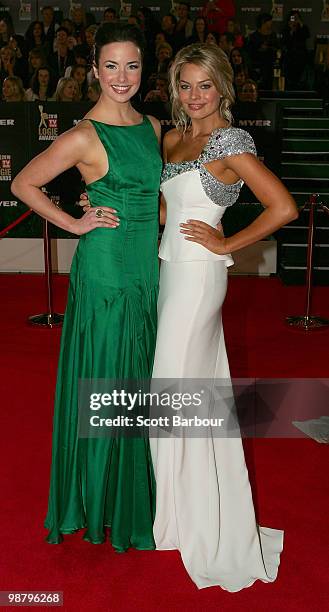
(109, 329)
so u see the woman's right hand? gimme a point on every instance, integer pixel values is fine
(91, 219)
(220, 229)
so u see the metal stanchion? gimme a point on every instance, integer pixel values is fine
(51, 318)
(307, 321)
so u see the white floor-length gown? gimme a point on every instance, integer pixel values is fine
(204, 502)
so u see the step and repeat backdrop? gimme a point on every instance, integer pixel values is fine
(314, 14)
(26, 129)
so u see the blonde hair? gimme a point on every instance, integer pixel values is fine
(161, 46)
(61, 86)
(78, 9)
(18, 88)
(92, 28)
(215, 62)
(7, 48)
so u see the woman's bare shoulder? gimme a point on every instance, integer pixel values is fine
(170, 141)
(84, 135)
(78, 144)
(85, 129)
(172, 137)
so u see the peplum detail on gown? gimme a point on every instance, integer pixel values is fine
(193, 192)
(109, 332)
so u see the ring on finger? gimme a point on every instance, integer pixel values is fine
(99, 212)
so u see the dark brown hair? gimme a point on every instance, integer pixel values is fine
(117, 32)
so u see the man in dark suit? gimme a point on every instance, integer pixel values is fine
(63, 57)
(49, 25)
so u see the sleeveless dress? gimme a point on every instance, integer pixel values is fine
(204, 504)
(109, 332)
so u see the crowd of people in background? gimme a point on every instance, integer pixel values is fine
(53, 61)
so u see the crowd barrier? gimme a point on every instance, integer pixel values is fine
(307, 321)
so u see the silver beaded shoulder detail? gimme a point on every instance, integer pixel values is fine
(219, 193)
(172, 169)
(222, 143)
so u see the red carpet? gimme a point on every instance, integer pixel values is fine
(290, 477)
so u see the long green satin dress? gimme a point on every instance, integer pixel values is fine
(109, 331)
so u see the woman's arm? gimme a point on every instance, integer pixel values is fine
(157, 128)
(68, 150)
(163, 210)
(280, 208)
(163, 204)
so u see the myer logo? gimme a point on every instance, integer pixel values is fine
(7, 121)
(5, 167)
(325, 11)
(9, 203)
(48, 129)
(250, 9)
(277, 11)
(255, 122)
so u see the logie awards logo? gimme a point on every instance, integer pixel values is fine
(5, 167)
(48, 125)
(277, 11)
(325, 11)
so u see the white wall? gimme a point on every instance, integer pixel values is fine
(26, 255)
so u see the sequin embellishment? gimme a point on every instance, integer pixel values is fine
(222, 143)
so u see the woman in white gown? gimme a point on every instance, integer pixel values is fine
(204, 503)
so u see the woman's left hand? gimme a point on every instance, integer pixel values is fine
(84, 202)
(210, 237)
